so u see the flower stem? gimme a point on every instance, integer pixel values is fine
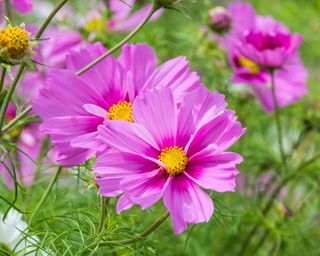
(3, 75)
(103, 211)
(277, 119)
(45, 195)
(17, 119)
(8, 9)
(155, 7)
(9, 94)
(145, 233)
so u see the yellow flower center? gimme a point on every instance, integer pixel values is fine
(15, 40)
(121, 111)
(250, 65)
(175, 159)
(95, 24)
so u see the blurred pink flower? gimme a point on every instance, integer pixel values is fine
(73, 106)
(27, 151)
(171, 151)
(259, 44)
(270, 44)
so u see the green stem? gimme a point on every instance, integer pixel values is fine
(49, 18)
(8, 9)
(277, 119)
(9, 94)
(145, 233)
(45, 195)
(17, 119)
(3, 75)
(103, 212)
(155, 7)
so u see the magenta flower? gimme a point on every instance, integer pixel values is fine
(171, 150)
(123, 19)
(271, 46)
(72, 107)
(27, 152)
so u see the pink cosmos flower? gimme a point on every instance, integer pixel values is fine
(123, 19)
(72, 107)
(264, 34)
(270, 44)
(171, 150)
(27, 152)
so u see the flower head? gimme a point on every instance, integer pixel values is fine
(105, 92)
(15, 44)
(270, 44)
(259, 45)
(171, 150)
(220, 20)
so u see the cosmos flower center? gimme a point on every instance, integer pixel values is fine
(250, 65)
(15, 41)
(121, 111)
(175, 159)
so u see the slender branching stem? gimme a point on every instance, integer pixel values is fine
(277, 119)
(17, 119)
(103, 212)
(3, 75)
(145, 233)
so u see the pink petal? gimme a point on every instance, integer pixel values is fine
(156, 111)
(187, 203)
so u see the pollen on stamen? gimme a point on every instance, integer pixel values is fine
(121, 111)
(14, 41)
(175, 160)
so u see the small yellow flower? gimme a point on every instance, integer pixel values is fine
(15, 44)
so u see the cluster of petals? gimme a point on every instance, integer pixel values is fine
(198, 128)
(258, 45)
(72, 107)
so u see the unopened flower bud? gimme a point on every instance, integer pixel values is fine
(220, 20)
(15, 45)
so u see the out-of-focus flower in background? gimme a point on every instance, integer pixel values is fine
(14, 237)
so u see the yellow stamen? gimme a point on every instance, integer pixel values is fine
(15, 41)
(175, 159)
(250, 65)
(121, 111)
